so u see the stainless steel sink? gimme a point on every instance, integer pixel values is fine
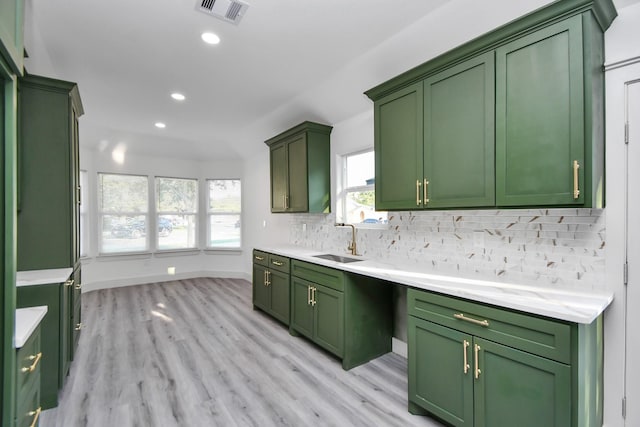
(337, 258)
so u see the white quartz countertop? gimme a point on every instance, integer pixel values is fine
(555, 302)
(41, 277)
(27, 320)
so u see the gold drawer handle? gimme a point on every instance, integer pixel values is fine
(461, 316)
(36, 360)
(79, 326)
(69, 282)
(35, 414)
(465, 345)
(78, 286)
(576, 190)
(278, 263)
(476, 350)
(259, 258)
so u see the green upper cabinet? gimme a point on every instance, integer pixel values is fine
(540, 118)
(398, 148)
(48, 112)
(513, 118)
(459, 136)
(11, 33)
(300, 169)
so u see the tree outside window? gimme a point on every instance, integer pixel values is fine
(177, 213)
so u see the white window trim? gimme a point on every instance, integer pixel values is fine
(343, 190)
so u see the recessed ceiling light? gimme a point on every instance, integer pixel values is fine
(160, 125)
(178, 96)
(210, 38)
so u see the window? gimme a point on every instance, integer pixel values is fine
(123, 210)
(84, 214)
(224, 207)
(357, 198)
(177, 213)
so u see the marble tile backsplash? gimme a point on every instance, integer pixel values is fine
(545, 247)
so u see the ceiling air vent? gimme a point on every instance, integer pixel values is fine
(227, 10)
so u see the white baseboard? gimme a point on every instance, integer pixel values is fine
(141, 280)
(399, 347)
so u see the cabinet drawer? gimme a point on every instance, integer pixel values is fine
(544, 337)
(28, 407)
(318, 274)
(28, 364)
(280, 263)
(261, 258)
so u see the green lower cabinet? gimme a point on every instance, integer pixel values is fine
(301, 309)
(471, 364)
(515, 388)
(318, 314)
(328, 319)
(271, 285)
(440, 374)
(56, 335)
(349, 315)
(28, 373)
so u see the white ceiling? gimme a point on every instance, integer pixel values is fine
(268, 73)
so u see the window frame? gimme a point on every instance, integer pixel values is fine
(102, 213)
(208, 214)
(157, 213)
(343, 190)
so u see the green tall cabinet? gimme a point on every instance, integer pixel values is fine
(300, 169)
(48, 216)
(513, 118)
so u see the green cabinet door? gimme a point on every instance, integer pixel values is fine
(328, 319)
(439, 379)
(279, 180)
(398, 143)
(48, 156)
(11, 33)
(540, 117)
(516, 388)
(280, 296)
(261, 294)
(301, 308)
(459, 135)
(298, 200)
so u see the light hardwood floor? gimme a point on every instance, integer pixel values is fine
(195, 353)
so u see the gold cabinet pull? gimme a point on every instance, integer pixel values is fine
(264, 278)
(418, 183)
(284, 202)
(268, 278)
(476, 350)
(79, 326)
(308, 295)
(278, 263)
(461, 316)
(36, 359)
(425, 188)
(465, 346)
(78, 286)
(576, 190)
(35, 414)
(79, 194)
(313, 296)
(69, 282)
(259, 258)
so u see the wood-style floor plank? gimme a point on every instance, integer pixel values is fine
(194, 352)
